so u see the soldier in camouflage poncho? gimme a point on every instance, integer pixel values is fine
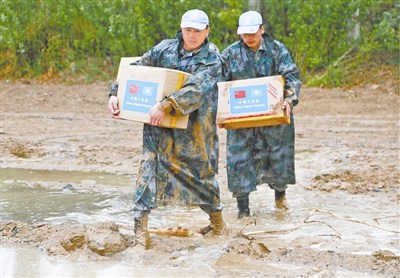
(263, 154)
(179, 165)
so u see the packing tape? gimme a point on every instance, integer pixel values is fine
(179, 83)
(173, 122)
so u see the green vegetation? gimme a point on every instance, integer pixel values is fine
(332, 41)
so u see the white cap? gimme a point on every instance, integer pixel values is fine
(194, 19)
(249, 22)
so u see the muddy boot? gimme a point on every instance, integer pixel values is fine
(205, 230)
(280, 200)
(142, 236)
(243, 206)
(217, 224)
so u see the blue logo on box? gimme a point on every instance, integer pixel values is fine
(140, 96)
(248, 99)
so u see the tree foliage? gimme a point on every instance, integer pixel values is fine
(329, 39)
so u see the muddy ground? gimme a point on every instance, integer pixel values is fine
(347, 150)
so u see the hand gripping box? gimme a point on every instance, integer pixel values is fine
(251, 102)
(140, 87)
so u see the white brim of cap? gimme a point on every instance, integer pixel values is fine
(195, 25)
(251, 29)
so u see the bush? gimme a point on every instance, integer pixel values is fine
(62, 38)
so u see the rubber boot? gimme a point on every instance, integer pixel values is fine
(142, 236)
(217, 224)
(280, 200)
(243, 206)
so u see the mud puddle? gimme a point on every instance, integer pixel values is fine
(318, 224)
(29, 262)
(53, 198)
(57, 196)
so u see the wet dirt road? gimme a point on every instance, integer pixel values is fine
(66, 192)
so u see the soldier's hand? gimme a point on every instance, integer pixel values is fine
(113, 106)
(286, 106)
(157, 114)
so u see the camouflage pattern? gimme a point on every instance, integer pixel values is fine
(178, 166)
(263, 154)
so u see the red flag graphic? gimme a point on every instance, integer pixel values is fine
(134, 89)
(240, 94)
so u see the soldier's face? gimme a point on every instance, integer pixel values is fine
(253, 40)
(193, 38)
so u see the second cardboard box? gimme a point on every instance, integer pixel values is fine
(251, 102)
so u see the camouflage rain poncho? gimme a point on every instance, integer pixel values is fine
(263, 154)
(179, 165)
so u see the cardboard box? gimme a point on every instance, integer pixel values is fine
(140, 87)
(251, 102)
(126, 61)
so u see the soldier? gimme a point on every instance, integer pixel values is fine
(263, 154)
(181, 164)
